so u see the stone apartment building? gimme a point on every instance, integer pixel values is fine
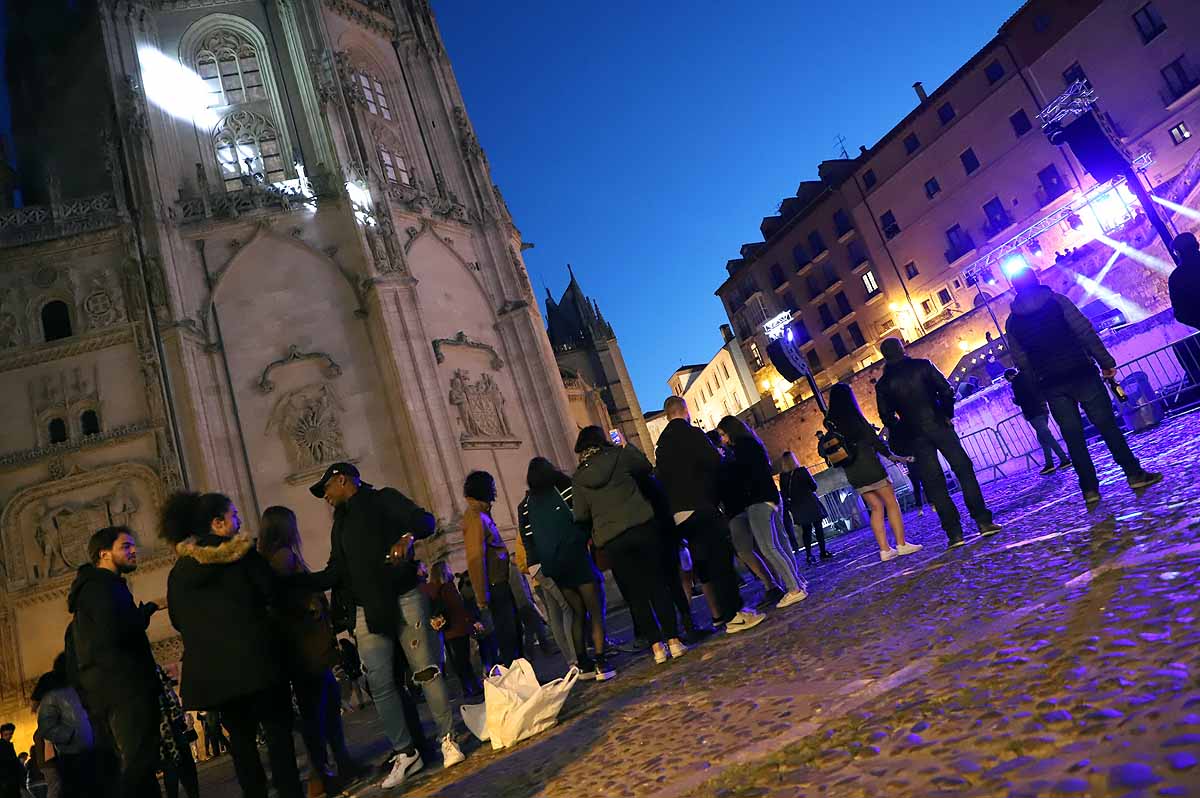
(963, 175)
(724, 386)
(250, 239)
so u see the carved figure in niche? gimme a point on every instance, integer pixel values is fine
(480, 406)
(308, 422)
(61, 533)
(10, 331)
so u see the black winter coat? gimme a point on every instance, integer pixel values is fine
(111, 654)
(1184, 287)
(1027, 397)
(751, 470)
(1052, 341)
(913, 394)
(799, 492)
(688, 467)
(218, 594)
(365, 527)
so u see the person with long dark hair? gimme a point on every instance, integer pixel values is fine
(550, 536)
(607, 494)
(311, 652)
(731, 496)
(866, 473)
(218, 596)
(752, 470)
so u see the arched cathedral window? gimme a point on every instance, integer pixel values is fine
(247, 145)
(374, 95)
(394, 167)
(228, 64)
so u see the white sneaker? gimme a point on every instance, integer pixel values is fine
(403, 766)
(746, 619)
(890, 554)
(790, 598)
(660, 653)
(451, 753)
(677, 648)
(909, 548)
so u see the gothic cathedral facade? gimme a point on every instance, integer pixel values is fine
(252, 239)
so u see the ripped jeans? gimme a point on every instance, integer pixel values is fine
(421, 646)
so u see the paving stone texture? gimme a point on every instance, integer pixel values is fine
(1058, 658)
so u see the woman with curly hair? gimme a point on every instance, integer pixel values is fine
(218, 594)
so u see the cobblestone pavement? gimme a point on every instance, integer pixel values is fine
(1058, 658)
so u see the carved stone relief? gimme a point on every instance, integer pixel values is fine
(102, 301)
(45, 528)
(480, 410)
(308, 423)
(331, 370)
(64, 395)
(460, 339)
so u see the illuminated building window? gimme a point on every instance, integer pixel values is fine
(870, 283)
(373, 94)
(228, 64)
(394, 167)
(756, 355)
(1180, 133)
(247, 146)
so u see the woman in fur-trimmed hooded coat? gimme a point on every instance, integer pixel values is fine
(218, 596)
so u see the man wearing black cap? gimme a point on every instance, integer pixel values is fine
(371, 565)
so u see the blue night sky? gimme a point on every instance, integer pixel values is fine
(643, 142)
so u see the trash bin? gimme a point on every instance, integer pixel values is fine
(1142, 410)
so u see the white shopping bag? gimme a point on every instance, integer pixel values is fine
(515, 706)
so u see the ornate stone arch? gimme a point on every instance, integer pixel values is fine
(228, 30)
(265, 231)
(415, 234)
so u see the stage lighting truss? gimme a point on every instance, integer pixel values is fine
(1075, 101)
(982, 267)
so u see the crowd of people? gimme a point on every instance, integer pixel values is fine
(266, 653)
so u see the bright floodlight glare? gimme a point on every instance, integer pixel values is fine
(174, 88)
(1099, 278)
(1014, 264)
(1146, 259)
(789, 334)
(1132, 311)
(1190, 213)
(358, 194)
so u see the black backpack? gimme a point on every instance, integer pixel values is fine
(835, 448)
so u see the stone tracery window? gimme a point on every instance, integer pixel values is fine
(228, 64)
(247, 144)
(394, 167)
(374, 95)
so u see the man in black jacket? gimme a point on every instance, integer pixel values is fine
(1055, 343)
(1184, 282)
(687, 468)
(1035, 410)
(12, 774)
(916, 404)
(371, 565)
(116, 668)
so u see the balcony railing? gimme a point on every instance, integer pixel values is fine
(995, 225)
(1048, 194)
(34, 223)
(1174, 91)
(960, 247)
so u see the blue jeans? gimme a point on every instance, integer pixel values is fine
(422, 647)
(766, 526)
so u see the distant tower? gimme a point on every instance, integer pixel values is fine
(585, 343)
